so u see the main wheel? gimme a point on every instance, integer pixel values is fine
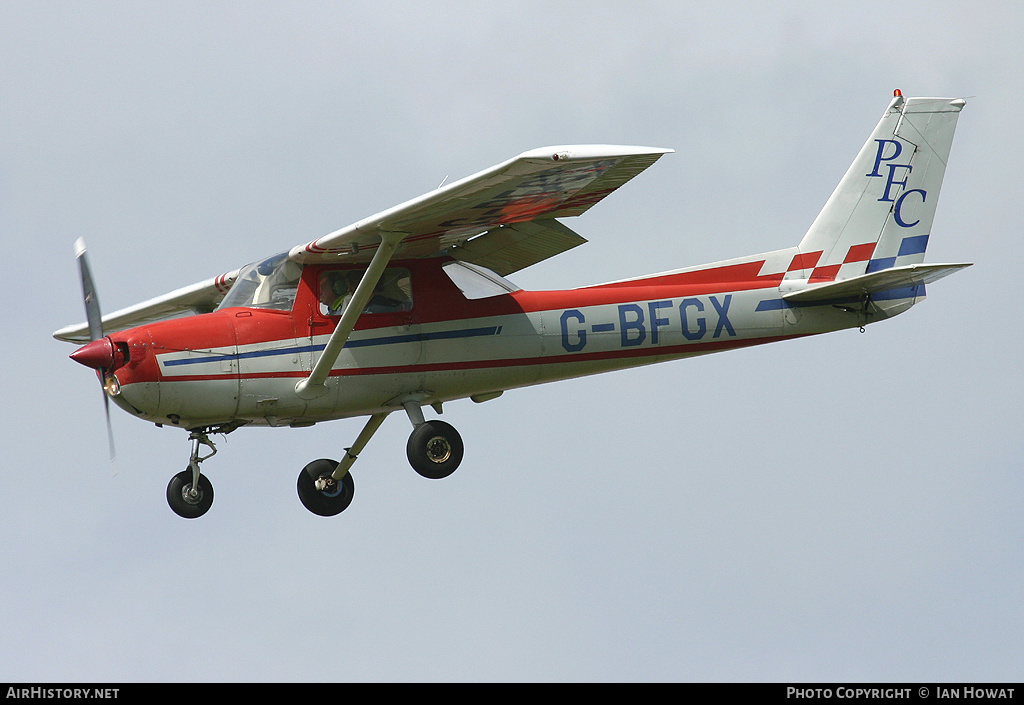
(335, 498)
(183, 502)
(434, 449)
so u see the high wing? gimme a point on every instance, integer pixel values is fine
(201, 297)
(501, 218)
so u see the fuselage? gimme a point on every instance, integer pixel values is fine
(241, 364)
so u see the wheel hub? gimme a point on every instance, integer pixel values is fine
(191, 496)
(328, 485)
(439, 449)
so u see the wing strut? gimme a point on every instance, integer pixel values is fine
(315, 385)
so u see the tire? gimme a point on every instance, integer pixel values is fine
(434, 449)
(322, 503)
(184, 505)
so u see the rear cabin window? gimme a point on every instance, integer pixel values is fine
(476, 282)
(393, 293)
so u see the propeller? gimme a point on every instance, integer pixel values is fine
(99, 353)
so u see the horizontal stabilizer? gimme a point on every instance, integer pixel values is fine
(873, 283)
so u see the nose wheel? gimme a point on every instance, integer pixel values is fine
(188, 498)
(190, 493)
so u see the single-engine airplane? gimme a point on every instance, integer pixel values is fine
(410, 308)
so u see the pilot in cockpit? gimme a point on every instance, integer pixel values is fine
(336, 290)
(391, 295)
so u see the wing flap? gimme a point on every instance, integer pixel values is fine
(509, 248)
(201, 297)
(875, 282)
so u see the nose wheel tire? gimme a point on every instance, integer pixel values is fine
(184, 501)
(434, 449)
(335, 496)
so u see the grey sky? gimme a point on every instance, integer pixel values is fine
(845, 507)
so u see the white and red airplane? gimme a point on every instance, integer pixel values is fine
(409, 308)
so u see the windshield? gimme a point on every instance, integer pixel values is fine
(271, 283)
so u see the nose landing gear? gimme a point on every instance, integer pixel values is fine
(188, 497)
(190, 493)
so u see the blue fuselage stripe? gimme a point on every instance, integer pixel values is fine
(359, 343)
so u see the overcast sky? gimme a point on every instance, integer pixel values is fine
(840, 508)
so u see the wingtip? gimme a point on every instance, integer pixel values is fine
(79, 247)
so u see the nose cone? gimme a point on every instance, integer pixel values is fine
(99, 354)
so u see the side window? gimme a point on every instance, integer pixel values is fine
(393, 293)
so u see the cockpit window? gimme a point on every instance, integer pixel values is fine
(393, 293)
(271, 283)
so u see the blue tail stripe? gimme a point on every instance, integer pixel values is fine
(913, 245)
(878, 264)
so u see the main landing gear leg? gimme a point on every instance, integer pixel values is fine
(189, 493)
(325, 486)
(435, 448)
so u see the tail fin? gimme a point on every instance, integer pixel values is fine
(880, 215)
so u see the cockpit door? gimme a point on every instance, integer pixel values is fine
(386, 338)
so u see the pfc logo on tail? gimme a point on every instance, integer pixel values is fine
(893, 180)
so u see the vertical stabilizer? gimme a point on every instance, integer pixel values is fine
(880, 215)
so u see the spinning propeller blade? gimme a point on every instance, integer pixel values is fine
(95, 320)
(92, 302)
